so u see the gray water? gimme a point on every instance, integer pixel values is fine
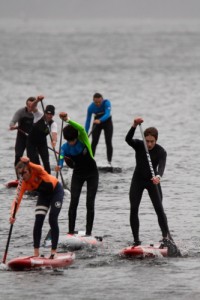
(145, 68)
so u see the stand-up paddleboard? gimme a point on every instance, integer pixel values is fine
(12, 183)
(144, 251)
(33, 262)
(75, 241)
(108, 168)
(159, 250)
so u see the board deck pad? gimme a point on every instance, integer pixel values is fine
(75, 241)
(33, 262)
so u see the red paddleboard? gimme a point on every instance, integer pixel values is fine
(75, 241)
(144, 251)
(33, 262)
(12, 183)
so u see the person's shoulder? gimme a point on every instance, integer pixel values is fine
(161, 148)
(91, 105)
(21, 110)
(107, 101)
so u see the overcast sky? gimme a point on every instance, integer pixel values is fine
(100, 8)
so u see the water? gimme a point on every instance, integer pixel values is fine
(145, 68)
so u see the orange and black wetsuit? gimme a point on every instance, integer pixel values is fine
(50, 195)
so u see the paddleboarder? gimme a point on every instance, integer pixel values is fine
(23, 117)
(101, 108)
(142, 178)
(43, 125)
(78, 149)
(50, 197)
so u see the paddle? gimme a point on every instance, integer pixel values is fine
(13, 216)
(148, 155)
(61, 132)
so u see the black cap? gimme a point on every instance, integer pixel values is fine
(50, 109)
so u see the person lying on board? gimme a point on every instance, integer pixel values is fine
(101, 108)
(142, 178)
(78, 148)
(50, 196)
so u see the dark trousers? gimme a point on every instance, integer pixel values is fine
(155, 194)
(33, 152)
(20, 146)
(76, 187)
(54, 201)
(107, 126)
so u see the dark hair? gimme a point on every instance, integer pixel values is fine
(70, 133)
(151, 131)
(97, 95)
(31, 99)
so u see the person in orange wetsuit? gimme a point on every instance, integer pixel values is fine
(50, 196)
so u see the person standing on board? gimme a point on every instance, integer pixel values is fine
(142, 178)
(78, 149)
(101, 108)
(37, 140)
(23, 117)
(50, 196)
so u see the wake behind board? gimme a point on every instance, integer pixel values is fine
(12, 183)
(33, 262)
(75, 241)
(144, 251)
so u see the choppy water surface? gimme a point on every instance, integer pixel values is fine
(145, 68)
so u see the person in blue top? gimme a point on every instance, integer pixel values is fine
(101, 108)
(78, 149)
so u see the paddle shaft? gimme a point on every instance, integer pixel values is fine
(149, 160)
(147, 152)
(13, 216)
(61, 132)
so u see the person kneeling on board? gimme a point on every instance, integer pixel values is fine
(142, 179)
(50, 196)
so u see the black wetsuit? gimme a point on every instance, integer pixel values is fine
(37, 143)
(85, 170)
(25, 122)
(142, 180)
(107, 126)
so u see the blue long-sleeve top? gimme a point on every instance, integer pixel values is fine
(102, 112)
(80, 153)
